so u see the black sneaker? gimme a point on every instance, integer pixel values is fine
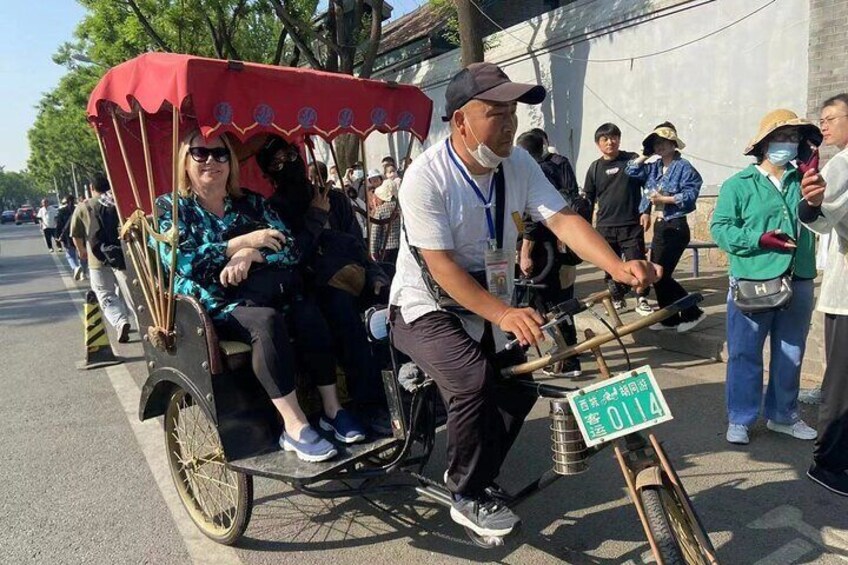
(484, 516)
(834, 481)
(568, 368)
(124, 333)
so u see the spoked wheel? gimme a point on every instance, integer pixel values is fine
(674, 532)
(218, 499)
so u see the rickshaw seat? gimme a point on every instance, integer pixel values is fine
(236, 354)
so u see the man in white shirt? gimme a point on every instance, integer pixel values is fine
(47, 217)
(825, 210)
(458, 201)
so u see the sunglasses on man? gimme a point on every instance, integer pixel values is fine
(201, 154)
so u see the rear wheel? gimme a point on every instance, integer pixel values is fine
(671, 527)
(218, 499)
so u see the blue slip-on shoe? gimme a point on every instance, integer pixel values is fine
(345, 427)
(311, 447)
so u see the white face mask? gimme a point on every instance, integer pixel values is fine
(358, 175)
(484, 156)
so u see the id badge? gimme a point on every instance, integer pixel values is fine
(497, 273)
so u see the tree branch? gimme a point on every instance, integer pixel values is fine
(298, 41)
(374, 39)
(148, 28)
(281, 43)
(216, 40)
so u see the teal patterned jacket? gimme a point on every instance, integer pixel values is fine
(202, 247)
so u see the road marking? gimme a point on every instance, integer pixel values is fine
(790, 517)
(149, 436)
(789, 553)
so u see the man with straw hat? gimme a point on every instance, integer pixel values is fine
(756, 222)
(825, 211)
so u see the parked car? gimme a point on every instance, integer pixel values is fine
(8, 216)
(25, 214)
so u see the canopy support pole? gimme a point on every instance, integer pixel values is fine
(151, 190)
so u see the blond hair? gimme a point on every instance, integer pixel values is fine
(184, 183)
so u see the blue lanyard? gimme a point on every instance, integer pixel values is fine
(487, 202)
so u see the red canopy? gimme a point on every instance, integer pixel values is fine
(243, 100)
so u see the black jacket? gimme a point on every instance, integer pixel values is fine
(335, 234)
(103, 230)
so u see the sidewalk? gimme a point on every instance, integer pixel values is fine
(708, 339)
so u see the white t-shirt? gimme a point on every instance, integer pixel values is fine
(441, 211)
(833, 298)
(47, 215)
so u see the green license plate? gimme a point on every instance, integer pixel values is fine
(618, 406)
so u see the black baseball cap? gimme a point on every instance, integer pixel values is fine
(486, 81)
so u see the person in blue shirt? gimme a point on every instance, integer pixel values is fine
(237, 258)
(671, 188)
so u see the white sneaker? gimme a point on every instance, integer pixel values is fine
(643, 308)
(811, 396)
(684, 327)
(738, 434)
(798, 430)
(78, 274)
(619, 305)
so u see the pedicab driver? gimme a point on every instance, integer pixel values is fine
(461, 202)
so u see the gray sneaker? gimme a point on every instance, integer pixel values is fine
(738, 434)
(484, 516)
(798, 430)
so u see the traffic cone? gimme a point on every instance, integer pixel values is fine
(98, 350)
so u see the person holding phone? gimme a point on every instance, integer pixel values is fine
(756, 222)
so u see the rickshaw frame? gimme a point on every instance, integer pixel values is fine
(188, 365)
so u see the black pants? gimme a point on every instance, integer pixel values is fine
(273, 358)
(670, 240)
(484, 416)
(629, 242)
(49, 236)
(831, 450)
(553, 294)
(342, 312)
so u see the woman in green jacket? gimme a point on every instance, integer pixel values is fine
(756, 223)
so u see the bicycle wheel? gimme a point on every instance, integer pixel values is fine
(671, 527)
(218, 499)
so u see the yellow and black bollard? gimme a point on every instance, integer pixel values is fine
(98, 350)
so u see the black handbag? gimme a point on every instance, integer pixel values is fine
(752, 296)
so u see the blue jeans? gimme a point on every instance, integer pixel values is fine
(72, 256)
(746, 336)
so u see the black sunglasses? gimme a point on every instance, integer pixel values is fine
(201, 154)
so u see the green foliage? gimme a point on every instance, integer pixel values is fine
(16, 189)
(447, 8)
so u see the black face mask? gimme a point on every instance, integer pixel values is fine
(291, 184)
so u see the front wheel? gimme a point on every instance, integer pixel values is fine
(673, 531)
(218, 499)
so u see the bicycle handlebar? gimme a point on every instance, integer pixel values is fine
(589, 344)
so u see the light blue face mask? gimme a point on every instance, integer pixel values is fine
(781, 152)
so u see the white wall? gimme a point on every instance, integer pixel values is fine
(715, 91)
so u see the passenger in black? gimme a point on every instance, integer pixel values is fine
(559, 283)
(618, 196)
(335, 261)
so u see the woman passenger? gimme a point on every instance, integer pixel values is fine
(230, 241)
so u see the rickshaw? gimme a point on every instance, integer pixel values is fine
(219, 426)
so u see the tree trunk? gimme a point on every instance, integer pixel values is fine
(347, 151)
(470, 32)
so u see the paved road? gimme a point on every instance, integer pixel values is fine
(84, 482)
